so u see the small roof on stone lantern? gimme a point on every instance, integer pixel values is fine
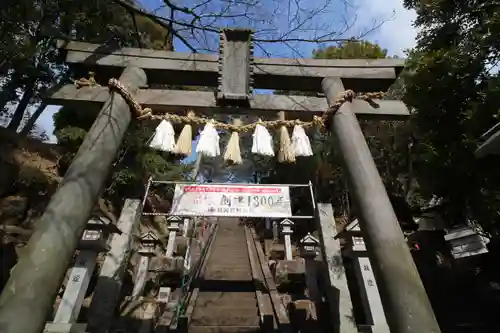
(353, 226)
(309, 240)
(149, 237)
(104, 224)
(287, 222)
(174, 218)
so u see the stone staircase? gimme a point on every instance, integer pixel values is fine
(226, 301)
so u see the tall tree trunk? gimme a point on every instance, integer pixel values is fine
(31, 122)
(17, 118)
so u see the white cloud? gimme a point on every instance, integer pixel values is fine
(398, 33)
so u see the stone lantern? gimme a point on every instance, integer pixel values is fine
(310, 246)
(92, 242)
(173, 228)
(95, 235)
(147, 249)
(149, 241)
(309, 250)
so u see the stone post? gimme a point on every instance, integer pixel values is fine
(268, 224)
(92, 242)
(287, 231)
(173, 228)
(337, 291)
(185, 227)
(275, 231)
(370, 296)
(148, 249)
(109, 283)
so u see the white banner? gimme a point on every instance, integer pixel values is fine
(231, 200)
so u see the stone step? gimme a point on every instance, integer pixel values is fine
(226, 302)
(225, 299)
(224, 266)
(243, 277)
(223, 329)
(226, 285)
(215, 315)
(241, 302)
(223, 256)
(220, 266)
(235, 248)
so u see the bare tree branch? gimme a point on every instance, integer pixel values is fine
(157, 19)
(197, 23)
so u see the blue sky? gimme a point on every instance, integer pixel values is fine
(396, 34)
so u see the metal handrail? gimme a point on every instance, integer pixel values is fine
(188, 279)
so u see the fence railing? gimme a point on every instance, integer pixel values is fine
(203, 239)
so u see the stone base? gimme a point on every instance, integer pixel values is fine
(291, 267)
(162, 264)
(65, 328)
(290, 275)
(303, 316)
(276, 251)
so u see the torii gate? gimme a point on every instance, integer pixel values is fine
(235, 72)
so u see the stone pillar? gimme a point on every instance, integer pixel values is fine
(337, 290)
(109, 284)
(77, 285)
(370, 296)
(148, 249)
(287, 231)
(185, 227)
(268, 224)
(275, 231)
(92, 242)
(173, 228)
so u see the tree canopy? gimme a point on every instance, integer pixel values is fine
(452, 87)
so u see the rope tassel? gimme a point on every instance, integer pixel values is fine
(208, 144)
(262, 141)
(184, 141)
(233, 151)
(164, 137)
(286, 153)
(300, 141)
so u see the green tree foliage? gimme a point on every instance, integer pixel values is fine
(29, 29)
(135, 162)
(388, 142)
(351, 50)
(453, 87)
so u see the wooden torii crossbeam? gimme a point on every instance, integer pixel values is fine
(234, 73)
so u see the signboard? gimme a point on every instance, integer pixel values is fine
(231, 201)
